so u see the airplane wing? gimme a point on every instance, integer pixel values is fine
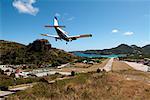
(53, 36)
(80, 36)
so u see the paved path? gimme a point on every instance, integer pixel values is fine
(13, 90)
(57, 79)
(4, 93)
(137, 66)
(20, 88)
(108, 66)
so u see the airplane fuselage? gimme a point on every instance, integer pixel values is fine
(61, 34)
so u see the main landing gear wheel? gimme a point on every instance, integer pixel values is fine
(56, 39)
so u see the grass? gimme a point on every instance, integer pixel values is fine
(88, 86)
(9, 81)
(118, 66)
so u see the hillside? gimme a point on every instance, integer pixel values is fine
(6, 46)
(123, 49)
(146, 49)
(39, 52)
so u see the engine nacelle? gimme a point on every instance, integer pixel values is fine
(74, 38)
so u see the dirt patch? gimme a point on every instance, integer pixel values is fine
(81, 65)
(118, 65)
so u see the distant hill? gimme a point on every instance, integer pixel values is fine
(146, 49)
(38, 52)
(123, 49)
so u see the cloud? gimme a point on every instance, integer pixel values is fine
(25, 6)
(71, 18)
(128, 33)
(115, 31)
(57, 14)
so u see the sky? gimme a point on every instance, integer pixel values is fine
(111, 22)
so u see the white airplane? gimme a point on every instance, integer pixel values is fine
(62, 35)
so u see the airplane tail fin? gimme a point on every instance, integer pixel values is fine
(55, 21)
(55, 24)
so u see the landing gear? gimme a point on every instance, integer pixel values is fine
(55, 39)
(70, 40)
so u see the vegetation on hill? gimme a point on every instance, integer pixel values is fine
(39, 52)
(130, 51)
(146, 49)
(7, 46)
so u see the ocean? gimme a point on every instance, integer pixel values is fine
(97, 55)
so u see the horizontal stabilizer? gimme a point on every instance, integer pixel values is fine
(86, 35)
(54, 26)
(44, 34)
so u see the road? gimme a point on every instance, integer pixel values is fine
(63, 65)
(137, 66)
(21, 88)
(5, 93)
(108, 66)
(13, 90)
